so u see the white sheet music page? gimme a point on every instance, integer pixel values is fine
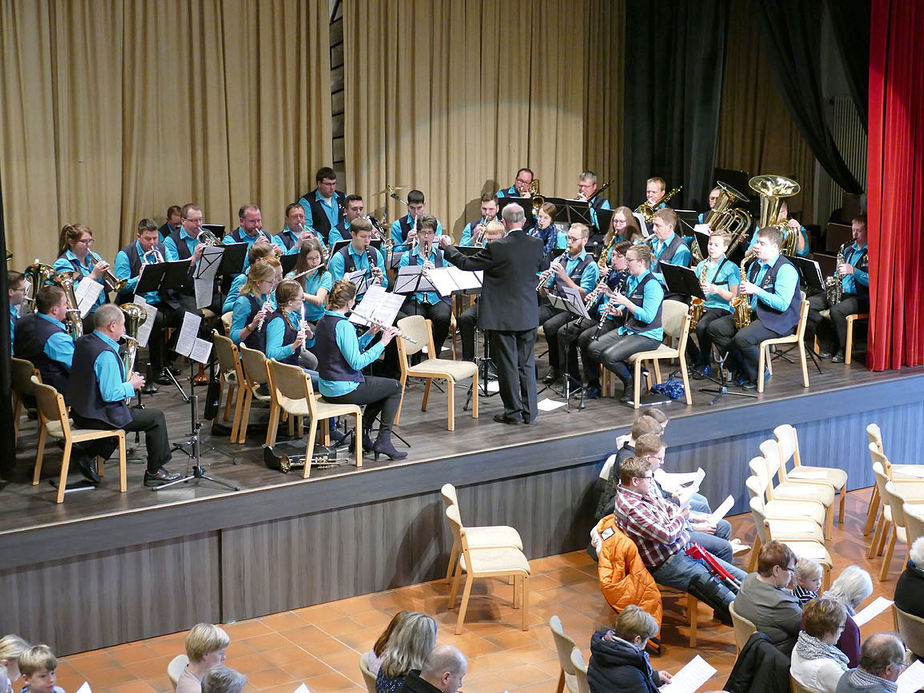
(691, 677)
(188, 334)
(871, 611)
(722, 510)
(912, 678)
(200, 351)
(144, 330)
(86, 292)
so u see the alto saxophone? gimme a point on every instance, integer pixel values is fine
(834, 285)
(741, 305)
(698, 305)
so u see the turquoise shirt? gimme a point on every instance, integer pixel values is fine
(354, 352)
(331, 209)
(681, 257)
(242, 312)
(275, 334)
(63, 264)
(787, 282)
(170, 248)
(59, 346)
(123, 270)
(430, 297)
(801, 253)
(722, 273)
(652, 300)
(852, 256)
(108, 370)
(360, 262)
(397, 233)
(589, 277)
(313, 284)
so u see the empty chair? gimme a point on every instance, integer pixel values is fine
(580, 671)
(787, 441)
(256, 383)
(564, 646)
(675, 320)
(766, 467)
(892, 471)
(895, 498)
(914, 521)
(791, 529)
(812, 550)
(911, 628)
(744, 629)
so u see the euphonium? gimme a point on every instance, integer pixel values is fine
(698, 305)
(647, 210)
(67, 281)
(135, 316)
(206, 237)
(110, 281)
(834, 285)
(734, 222)
(741, 304)
(772, 190)
(39, 275)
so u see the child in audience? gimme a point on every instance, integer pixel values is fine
(38, 665)
(806, 580)
(659, 416)
(11, 647)
(205, 647)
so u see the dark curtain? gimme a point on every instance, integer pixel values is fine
(792, 35)
(7, 448)
(896, 185)
(850, 20)
(673, 86)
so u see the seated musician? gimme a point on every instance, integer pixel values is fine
(662, 533)
(75, 255)
(655, 192)
(258, 251)
(773, 290)
(342, 356)
(468, 319)
(520, 187)
(173, 223)
(794, 226)
(16, 291)
(667, 245)
(249, 231)
(713, 198)
(404, 230)
(290, 239)
(288, 336)
(553, 240)
(429, 304)
(581, 333)
(185, 245)
(576, 269)
(359, 255)
(324, 205)
(853, 274)
(352, 210)
(98, 391)
(719, 279)
(475, 229)
(254, 305)
(317, 283)
(588, 190)
(43, 338)
(624, 228)
(642, 330)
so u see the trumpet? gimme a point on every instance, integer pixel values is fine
(382, 326)
(110, 281)
(547, 274)
(478, 235)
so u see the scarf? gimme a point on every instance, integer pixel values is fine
(809, 648)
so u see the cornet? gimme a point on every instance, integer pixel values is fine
(110, 281)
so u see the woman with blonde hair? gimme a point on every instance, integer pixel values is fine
(11, 646)
(254, 305)
(407, 650)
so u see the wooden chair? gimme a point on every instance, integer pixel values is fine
(419, 329)
(787, 441)
(368, 676)
(851, 319)
(564, 645)
(744, 629)
(484, 537)
(792, 489)
(764, 360)
(796, 687)
(53, 421)
(812, 550)
(896, 497)
(792, 528)
(675, 320)
(689, 605)
(911, 628)
(580, 669)
(294, 394)
(175, 668)
(226, 319)
(884, 523)
(254, 370)
(914, 521)
(21, 376)
(231, 373)
(484, 563)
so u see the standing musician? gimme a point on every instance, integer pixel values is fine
(257, 252)
(475, 229)
(467, 320)
(719, 280)
(290, 239)
(587, 191)
(254, 305)
(580, 333)
(576, 269)
(341, 358)
(288, 336)
(666, 245)
(353, 210)
(520, 187)
(429, 304)
(548, 232)
(250, 230)
(773, 288)
(98, 390)
(173, 223)
(508, 309)
(853, 274)
(74, 255)
(317, 284)
(642, 328)
(404, 230)
(359, 255)
(324, 205)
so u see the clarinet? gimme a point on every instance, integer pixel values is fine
(604, 310)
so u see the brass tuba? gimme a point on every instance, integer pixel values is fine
(773, 190)
(39, 275)
(135, 316)
(735, 222)
(67, 281)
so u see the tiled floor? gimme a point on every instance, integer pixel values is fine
(321, 645)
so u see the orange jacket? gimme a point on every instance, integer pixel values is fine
(623, 577)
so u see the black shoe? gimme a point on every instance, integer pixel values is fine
(504, 419)
(528, 421)
(160, 477)
(383, 446)
(163, 379)
(824, 354)
(87, 467)
(628, 393)
(368, 445)
(749, 385)
(592, 392)
(551, 377)
(149, 388)
(838, 357)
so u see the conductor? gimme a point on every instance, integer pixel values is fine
(509, 311)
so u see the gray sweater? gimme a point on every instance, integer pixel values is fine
(775, 612)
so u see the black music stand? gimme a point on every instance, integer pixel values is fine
(570, 301)
(232, 258)
(571, 211)
(163, 277)
(524, 203)
(288, 262)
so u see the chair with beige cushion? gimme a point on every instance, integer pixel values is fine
(368, 676)
(812, 550)
(893, 471)
(254, 369)
(796, 339)
(896, 496)
(419, 329)
(792, 528)
(744, 629)
(911, 629)
(21, 377)
(175, 668)
(787, 441)
(230, 373)
(675, 321)
(792, 490)
(564, 646)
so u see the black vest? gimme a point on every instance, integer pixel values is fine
(319, 220)
(134, 264)
(349, 264)
(438, 263)
(286, 236)
(575, 274)
(181, 248)
(638, 298)
(331, 364)
(405, 225)
(668, 253)
(32, 332)
(288, 337)
(84, 395)
(781, 322)
(257, 339)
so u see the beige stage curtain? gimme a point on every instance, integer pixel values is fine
(111, 110)
(439, 96)
(756, 132)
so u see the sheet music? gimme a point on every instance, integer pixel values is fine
(302, 689)
(871, 611)
(204, 277)
(722, 510)
(465, 279)
(85, 688)
(188, 334)
(411, 279)
(573, 298)
(912, 678)
(86, 292)
(144, 330)
(548, 404)
(696, 672)
(361, 280)
(200, 351)
(377, 306)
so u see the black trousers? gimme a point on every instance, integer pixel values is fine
(569, 338)
(552, 321)
(741, 345)
(613, 351)
(701, 352)
(150, 421)
(516, 371)
(439, 314)
(380, 395)
(586, 340)
(828, 338)
(467, 321)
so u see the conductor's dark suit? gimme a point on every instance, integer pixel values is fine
(509, 312)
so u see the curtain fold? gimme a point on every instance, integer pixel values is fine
(896, 185)
(850, 21)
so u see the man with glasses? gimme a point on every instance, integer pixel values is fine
(882, 659)
(663, 534)
(765, 600)
(520, 187)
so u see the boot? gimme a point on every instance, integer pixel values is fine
(383, 446)
(628, 390)
(368, 445)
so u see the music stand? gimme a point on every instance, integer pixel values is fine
(571, 211)
(524, 203)
(217, 229)
(288, 262)
(567, 300)
(232, 258)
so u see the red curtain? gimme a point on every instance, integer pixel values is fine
(896, 184)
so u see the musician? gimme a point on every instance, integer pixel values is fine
(667, 245)
(352, 210)
(773, 289)
(43, 338)
(581, 332)
(520, 187)
(359, 255)
(802, 239)
(488, 214)
(403, 231)
(16, 291)
(429, 304)
(75, 255)
(98, 390)
(184, 244)
(253, 306)
(575, 269)
(324, 206)
(173, 223)
(257, 252)
(493, 231)
(317, 285)
(719, 280)
(249, 231)
(588, 191)
(341, 358)
(713, 198)
(642, 329)
(548, 232)
(509, 310)
(655, 190)
(288, 340)
(624, 228)
(853, 273)
(290, 239)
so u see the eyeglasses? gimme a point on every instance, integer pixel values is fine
(654, 457)
(86, 241)
(647, 476)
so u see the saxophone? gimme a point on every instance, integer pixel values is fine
(834, 285)
(697, 305)
(741, 305)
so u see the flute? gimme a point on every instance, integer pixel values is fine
(378, 323)
(267, 308)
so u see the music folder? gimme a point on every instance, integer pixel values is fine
(232, 259)
(681, 280)
(162, 276)
(288, 263)
(809, 273)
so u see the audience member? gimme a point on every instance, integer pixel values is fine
(11, 647)
(618, 660)
(442, 672)
(373, 658)
(221, 679)
(764, 600)
(850, 588)
(806, 580)
(37, 665)
(205, 647)
(882, 658)
(816, 662)
(407, 649)
(909, 591)
(609, 475)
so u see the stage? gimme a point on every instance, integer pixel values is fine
(105, 568)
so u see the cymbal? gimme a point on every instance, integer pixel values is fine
(389, 189)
